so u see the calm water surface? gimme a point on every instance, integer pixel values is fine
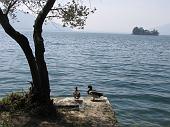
(132, 71)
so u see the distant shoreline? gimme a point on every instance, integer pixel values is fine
(86, 32)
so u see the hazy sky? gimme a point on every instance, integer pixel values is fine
(120, 16)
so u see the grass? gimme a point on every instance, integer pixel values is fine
(8, 105)
(13, 102)
(18, 104)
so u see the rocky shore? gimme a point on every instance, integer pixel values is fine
(71, 113)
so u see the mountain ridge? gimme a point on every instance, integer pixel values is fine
(25, 22)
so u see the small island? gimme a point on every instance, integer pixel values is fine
(142, 31)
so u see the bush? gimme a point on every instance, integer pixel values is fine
(13, 102)
(21, 103)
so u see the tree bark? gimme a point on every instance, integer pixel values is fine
(39, 50)
(24, 44)
(37, 64)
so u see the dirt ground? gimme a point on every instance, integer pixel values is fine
(71, 113)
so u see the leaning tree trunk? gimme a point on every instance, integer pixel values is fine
(39, 51)
(24, 44)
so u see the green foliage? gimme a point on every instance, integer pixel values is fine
(20, 102)
(13, 102)
(10, 6)
(34, 6)
(72, 14)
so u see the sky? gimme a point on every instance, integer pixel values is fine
(121, 16)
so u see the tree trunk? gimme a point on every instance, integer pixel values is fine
(24, 44)
(39, 50)
(38, 68)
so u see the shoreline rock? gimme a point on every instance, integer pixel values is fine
(70, 113)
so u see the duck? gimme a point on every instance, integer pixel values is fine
(76, 93)
(94, 93)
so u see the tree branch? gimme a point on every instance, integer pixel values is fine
(10, 6)
(53, 16)
(30, 8)
(24, 44)
(42, 15)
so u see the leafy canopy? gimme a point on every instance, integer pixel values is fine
(72, 13)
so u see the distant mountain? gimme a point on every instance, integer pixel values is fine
(164, 29)
(25, 22)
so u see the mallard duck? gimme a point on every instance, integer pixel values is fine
(94, 93)
(76, 93)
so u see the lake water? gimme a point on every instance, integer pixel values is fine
(132, 71)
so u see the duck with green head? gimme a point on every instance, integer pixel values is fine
(94, 93)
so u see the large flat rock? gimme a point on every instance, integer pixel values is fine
(87, 113)
(70, 113)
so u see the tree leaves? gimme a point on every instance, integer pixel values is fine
(72, 14)
(9, 7)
